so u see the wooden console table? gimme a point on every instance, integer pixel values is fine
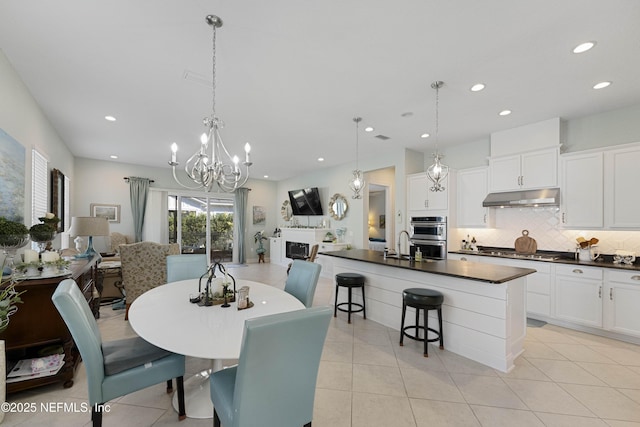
(38, 325)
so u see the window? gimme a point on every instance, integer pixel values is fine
(39, 199)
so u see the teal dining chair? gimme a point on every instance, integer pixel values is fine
(302, 281)
(185, 266)
(274, 382)
(115, 368)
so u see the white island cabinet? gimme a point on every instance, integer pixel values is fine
(483, 316)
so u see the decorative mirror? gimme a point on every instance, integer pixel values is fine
(286, 211)
(338, 206)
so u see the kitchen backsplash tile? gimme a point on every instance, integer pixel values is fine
(544, 226)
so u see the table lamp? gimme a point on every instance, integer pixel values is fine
(88, 226)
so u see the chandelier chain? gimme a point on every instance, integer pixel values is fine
(213, 73)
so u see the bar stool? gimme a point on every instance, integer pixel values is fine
(422, 299)
(350, 281)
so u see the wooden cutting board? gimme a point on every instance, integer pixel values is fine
(525, 244)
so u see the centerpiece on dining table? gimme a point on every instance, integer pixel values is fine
(217, 290)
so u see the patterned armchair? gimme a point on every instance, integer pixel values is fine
(144, 266)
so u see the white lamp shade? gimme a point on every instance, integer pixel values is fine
(89, 226)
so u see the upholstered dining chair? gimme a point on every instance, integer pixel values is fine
(186, 266)
(302, 281)
(274, 383)
(313, 254)
(115, 368)
(144, 266)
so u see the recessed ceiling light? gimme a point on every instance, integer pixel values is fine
(110, 118)
(368, 129)
(424, 135)
(601, 85)
(504, 112)
(266, 176)
(407, 114)
(477, 87)
(321, 159)
(583, 47)
(113, 156)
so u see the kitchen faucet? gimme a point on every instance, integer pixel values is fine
(399, 240)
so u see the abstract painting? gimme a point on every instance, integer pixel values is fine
(12, 170)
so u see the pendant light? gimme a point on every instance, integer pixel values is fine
(437, 172)
(357, 181)
(212, 165)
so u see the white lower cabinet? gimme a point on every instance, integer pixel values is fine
(622, 301)
(578, 295)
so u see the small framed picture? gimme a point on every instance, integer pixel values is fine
(111, 212)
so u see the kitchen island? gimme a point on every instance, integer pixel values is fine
(484, 309)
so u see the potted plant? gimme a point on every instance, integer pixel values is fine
(44, 232)
(259, 238)
(13, 235)
(9, 297)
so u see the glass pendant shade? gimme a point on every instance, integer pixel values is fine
(357, 184)
(437, 173)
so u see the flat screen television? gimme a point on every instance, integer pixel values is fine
(305, 201)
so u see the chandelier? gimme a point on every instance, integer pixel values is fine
(357, 181)
(212, 163)
(437, 172)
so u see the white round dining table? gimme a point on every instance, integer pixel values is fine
(164, 317)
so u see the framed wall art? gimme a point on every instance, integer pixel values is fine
(111, 212)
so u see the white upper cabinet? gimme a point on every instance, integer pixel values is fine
(420, 198)
(472, 185)
(621, 179)
(536, 169)
(581, 190)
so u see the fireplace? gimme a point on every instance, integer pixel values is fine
(296, 250)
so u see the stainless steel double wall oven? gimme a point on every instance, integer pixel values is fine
(429, 233)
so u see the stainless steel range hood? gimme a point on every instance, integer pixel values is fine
(525, 198)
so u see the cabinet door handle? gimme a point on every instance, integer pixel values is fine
(485, 218)
(426, 203)
(563, 221)
(636, 277)
(600, 292)
(611, 294)
(577, 270)
(521, 180)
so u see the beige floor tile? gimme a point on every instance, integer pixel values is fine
(605, 402)
(155, 396)
(431, 413)
(381, 411)
(547, 335)
(434, 385)
(373, 379)
(331, 408)
(631, 394)
(523, 369)
(547, 397)
(410, 356)
(623, 356)
(613, 375)
(501, 417)
(489, 391)
(540, 350)
(565, 371)
(337, 352)
(335, 375)
(559, 420)
(618, 423)
(367, 354)
(371, 336)
(579, 353)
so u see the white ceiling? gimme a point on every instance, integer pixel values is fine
(292, 74)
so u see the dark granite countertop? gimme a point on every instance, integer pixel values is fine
(462, 269)
(605, 261)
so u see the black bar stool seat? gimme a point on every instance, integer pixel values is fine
(350, 281)
(422, 299)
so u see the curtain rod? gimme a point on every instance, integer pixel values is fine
(126, 178)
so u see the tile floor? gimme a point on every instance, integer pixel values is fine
(564, 378)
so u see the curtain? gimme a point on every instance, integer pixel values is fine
(138, 189)
(239, 215)
(156, 218)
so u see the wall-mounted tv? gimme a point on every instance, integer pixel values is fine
(305, 201)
